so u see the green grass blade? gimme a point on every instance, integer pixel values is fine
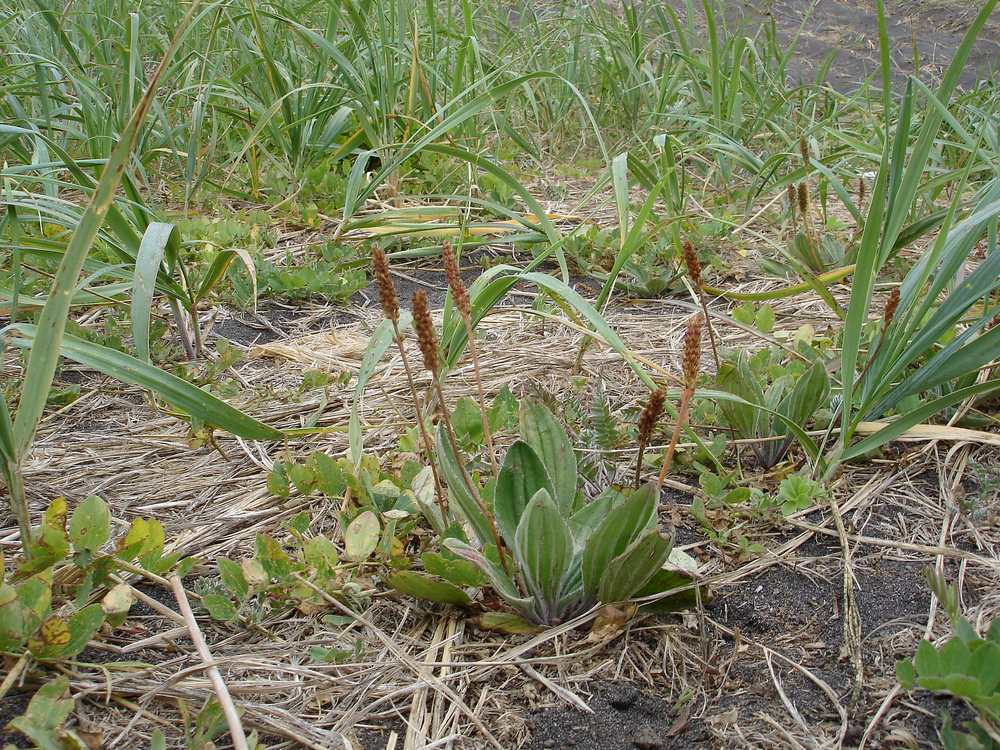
(915, 417)
(7, 451)
(147, 267)
(565, 292)
(378, 343)
(179, 393)
(44, 358)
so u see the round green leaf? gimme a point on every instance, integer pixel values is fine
(90, 525)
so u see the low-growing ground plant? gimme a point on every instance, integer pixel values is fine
(545, 551)
(966, 667)
(794, 390)
(62, 593)
(282, 575)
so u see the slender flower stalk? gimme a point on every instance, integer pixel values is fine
(390, 306)
(888, 313)
(691, 363)
(694, 272)
(460, 296)
(427, 340)
(647, 423)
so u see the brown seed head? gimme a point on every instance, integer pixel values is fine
(425, 330)
(692, 263)
(650, 415)
(804, 150)
(383, 282)
(458, 290)
(790, 195)
(803, 198)
(890, 308)
(862, 187)
(692, 351)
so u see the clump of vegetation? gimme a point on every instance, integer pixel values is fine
(826, 263)
(966, 667)
(545, 551)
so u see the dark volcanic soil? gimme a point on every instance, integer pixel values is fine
(624, 718)
(849, 29)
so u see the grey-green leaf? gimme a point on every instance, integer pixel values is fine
(458, 493)
(631, 570)
(543, 548)
(499, 580)
(431, 588)
(621, 527)
(521, 476)
(545, 435)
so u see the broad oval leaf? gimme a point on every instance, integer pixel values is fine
(631, 570)
(621, 527)
(521, 477)
(361, 536)
(424, 586)
(90, 525)
(541, 430)
(219, 607)
(83, 625)
(543, 549)
(231, 575)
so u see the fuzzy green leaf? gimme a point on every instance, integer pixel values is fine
(521, 476)
(548, 439)
(621, 527)
(631, 570)
(429, 587)
(543, 549)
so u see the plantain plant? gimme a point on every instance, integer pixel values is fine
(796, 399)
(545, 551)
(566, 555)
